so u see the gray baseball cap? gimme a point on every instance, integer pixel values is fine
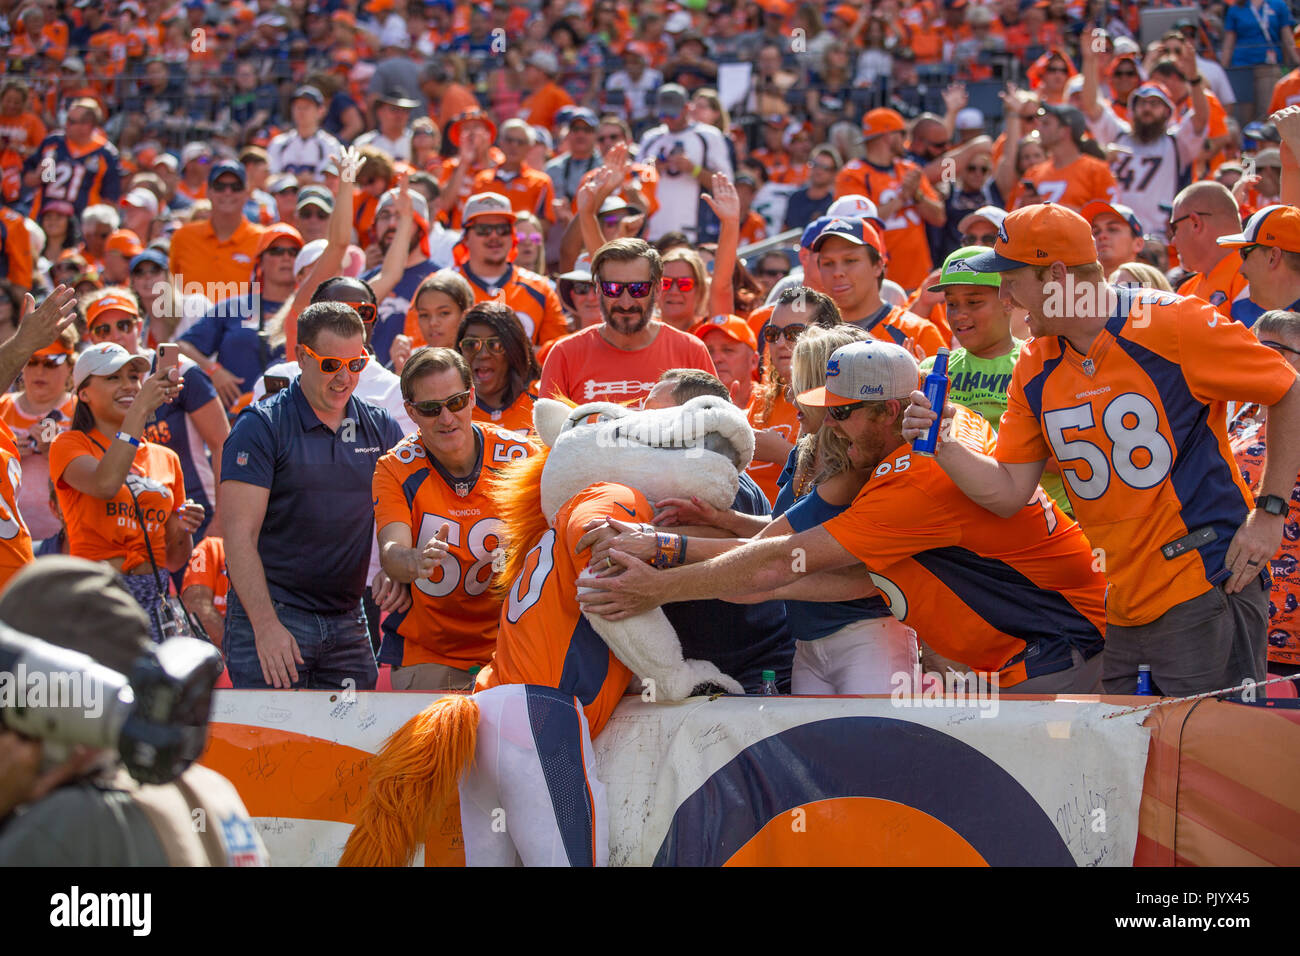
(866, 372)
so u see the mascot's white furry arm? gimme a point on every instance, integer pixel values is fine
(699, 449)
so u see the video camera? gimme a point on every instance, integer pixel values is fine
(156, 718)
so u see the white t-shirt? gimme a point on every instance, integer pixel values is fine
(679, 195)
(396, 148)
(290, 153)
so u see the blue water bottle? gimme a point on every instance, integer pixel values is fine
(1144, 680)
(936, 390)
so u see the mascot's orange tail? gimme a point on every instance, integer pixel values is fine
(412, 778)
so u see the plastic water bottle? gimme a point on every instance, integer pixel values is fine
(1144, 681)
(473, 677)
(769, 684)
(936, 390)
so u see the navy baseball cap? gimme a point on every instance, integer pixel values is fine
(1095, 208)
(228, 166)
(812, 231)
(156, 256)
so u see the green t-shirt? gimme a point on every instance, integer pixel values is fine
(981, 384)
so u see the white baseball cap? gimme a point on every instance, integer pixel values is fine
(308, 254)
(141, 198)
(866, 372)
(104, 359)
(990, 214)
(853, 206)
(486, 204)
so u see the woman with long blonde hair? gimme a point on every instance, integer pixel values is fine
(684, 299)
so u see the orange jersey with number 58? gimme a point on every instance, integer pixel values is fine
(454, 614)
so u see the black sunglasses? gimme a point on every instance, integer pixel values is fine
(226, 186)
(971, 239)
(1279, 346)
(491, 229)
(582, 288)
(842, 412)
(790, 333)
(123, 325)
(433, 409)
(637, 290)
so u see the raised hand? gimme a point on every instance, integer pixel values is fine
(350, 164)
(723, 200)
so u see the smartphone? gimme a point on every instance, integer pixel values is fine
(169, 354)
(275, 383)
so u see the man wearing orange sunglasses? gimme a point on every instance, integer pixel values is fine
(296, 479)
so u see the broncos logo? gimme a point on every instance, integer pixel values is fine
(142, 483)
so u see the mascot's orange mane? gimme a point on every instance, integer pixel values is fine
(516, 493)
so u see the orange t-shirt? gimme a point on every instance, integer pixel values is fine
(585, 368)
(24, 131)
(1286, 93)
(34, 496)
(15, 248)
(207, 569)
(1074, 185)
(15, 540)
(518, 418)
(1138, 430)
(529, 190)
(532, 298)
(977, 588)
(198, 255)
(919, 336)
(453, 618)
(544, 638)
(100, 529)
(649, 177)
(539, 108)
(753, 229)
(904, 234)
(784, 417)
(456, 99)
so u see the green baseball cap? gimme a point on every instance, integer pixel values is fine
(957, 271)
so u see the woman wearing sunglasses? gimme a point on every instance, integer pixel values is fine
(115, 486)
(37, 413)
(581, 298)
(503, 366)
(530, 253)
(683, 303)
(773, 413)
(194, 426)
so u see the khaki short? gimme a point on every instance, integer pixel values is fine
(1210, 642)
(431, 677)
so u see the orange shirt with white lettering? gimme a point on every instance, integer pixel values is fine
(15, 539)
(583, 367)
(197, 255)
(1074, 185)
(909, 250)
(103, 530)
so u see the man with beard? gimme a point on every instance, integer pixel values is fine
(1156, 155)
(485, 257)
(621, 359)
(392, 311)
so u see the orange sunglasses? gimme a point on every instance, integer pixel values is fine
(329, 364)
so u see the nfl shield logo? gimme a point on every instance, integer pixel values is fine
(1088, 368)
(241, 459)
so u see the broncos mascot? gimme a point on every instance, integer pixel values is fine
(521, 744)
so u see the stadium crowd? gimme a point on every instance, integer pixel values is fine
(379, 232)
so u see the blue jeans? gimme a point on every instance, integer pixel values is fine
(334, 648)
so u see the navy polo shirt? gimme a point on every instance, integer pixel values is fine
(743, 640)
(230, 330)
(320, 518)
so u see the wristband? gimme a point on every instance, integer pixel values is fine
(698, 169)
(123, 436)
(1196, 80)
(670, 551)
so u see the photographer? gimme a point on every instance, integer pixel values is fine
(86, 810)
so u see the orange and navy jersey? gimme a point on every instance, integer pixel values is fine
(1138, 429)
(904, 233)
(207, 569)
(15, 249)
(784, 418)
(15, 539)
(518, 418)
(1011, 595)
(1221, 286)
(1074, 185)
(1247, 434)
(532, 298)
(83, 177)
(103, 530)
(453, 616)
(544, 638)
(777, 164)
(529, 190)
(893, 323)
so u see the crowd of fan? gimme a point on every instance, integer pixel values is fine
(210, 173)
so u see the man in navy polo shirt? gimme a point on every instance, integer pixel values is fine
(299, 517)
(230, 342)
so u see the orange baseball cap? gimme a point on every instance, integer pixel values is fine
(112, 303)
(882, 120)
(124, 241)
(1277, 226)
(732, 326)
(279, 230)
(1039, 235)
(471, 115)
